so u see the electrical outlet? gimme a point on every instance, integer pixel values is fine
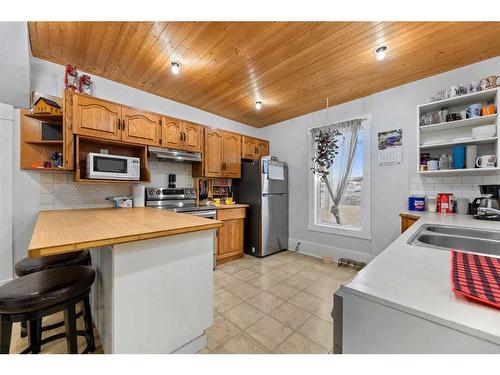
(104, 151)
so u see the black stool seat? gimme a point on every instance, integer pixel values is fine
(27, 266)
(43, 289)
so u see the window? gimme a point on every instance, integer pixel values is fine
(354, 206)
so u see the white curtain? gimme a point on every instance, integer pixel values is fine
(340, 172)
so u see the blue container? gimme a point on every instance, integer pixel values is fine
(416, 203)
(459, 157)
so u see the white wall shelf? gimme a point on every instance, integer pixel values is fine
(457, 101)
(442, 133)
(450, 125)
(450, 144)
(452, 172)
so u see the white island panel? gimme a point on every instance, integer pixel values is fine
(156, 296)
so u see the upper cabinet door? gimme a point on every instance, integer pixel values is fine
(192, 136)
(249, 148)
(262, 148)
(213, 153)
(171, 130)
(232, 155)
(140, 127)
(95, 117)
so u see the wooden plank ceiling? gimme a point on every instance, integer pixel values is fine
(291, 66)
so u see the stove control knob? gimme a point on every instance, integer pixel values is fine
(151, 191)
(158, 192)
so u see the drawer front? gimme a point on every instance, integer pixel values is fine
(231, 213)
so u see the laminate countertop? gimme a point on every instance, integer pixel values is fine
(63, 231)
(417, 280)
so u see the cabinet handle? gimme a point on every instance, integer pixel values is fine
(118, 124)
(123, 124)
(184, 136)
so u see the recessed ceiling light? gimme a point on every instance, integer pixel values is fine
(380, 51)
(258, 104)
(176, 67)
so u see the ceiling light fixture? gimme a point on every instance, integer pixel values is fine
(258, 104)
(380, 51)
(176, 67)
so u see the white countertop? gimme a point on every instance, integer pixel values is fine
(417, 280)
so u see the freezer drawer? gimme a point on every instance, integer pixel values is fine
(274, 223)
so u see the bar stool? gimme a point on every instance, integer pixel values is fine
(32, 297)
(28, 266)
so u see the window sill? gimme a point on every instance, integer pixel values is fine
(348, 232)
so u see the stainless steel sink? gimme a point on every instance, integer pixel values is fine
(465, 232)
(443, 237)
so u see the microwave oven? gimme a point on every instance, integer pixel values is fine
(113, 167)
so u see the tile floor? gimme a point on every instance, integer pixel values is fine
(278, 304)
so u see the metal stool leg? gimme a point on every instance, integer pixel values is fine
(70, 323)
(89, 327)
(5, 335)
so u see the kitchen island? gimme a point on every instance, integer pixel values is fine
(154, 286)
(402, 301)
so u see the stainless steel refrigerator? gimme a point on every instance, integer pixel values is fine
(264, 186)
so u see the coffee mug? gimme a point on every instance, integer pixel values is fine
(432, 165)
(453, 117)
(489, 109)
(474, 110)
(472, 87)
(486, 161)
(454, 91)
(489, 82)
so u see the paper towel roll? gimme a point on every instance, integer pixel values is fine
(138, 195)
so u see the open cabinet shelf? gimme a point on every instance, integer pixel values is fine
(35, 151)
(84, 145)
(437, 139)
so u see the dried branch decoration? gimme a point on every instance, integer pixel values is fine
(325, 150)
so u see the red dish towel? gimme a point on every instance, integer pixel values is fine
(476, 277)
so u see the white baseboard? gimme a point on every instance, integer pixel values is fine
(319, 250)
(5, 281)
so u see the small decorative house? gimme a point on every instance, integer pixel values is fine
(47, 106)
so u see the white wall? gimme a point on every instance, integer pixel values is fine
(6, 121)
(390, 109)
(14, 64)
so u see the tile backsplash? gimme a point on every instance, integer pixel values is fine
(59, 191)
(460, 186)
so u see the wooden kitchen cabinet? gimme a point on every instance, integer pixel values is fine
(171, 130)
(231, 155)
(222, 155)
(407, 221)
(100, 118)
(140, 127)
(253, 148)
(230, 235)
(182, 135)
(96, 117)
(248, 147)
(193, 137)
(262, 148)
(212, 157)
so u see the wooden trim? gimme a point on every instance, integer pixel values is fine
(220, 261)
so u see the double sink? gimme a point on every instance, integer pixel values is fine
(444, 237)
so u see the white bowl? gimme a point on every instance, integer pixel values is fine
(487, 131)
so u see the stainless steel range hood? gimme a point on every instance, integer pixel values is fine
(176, 155)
